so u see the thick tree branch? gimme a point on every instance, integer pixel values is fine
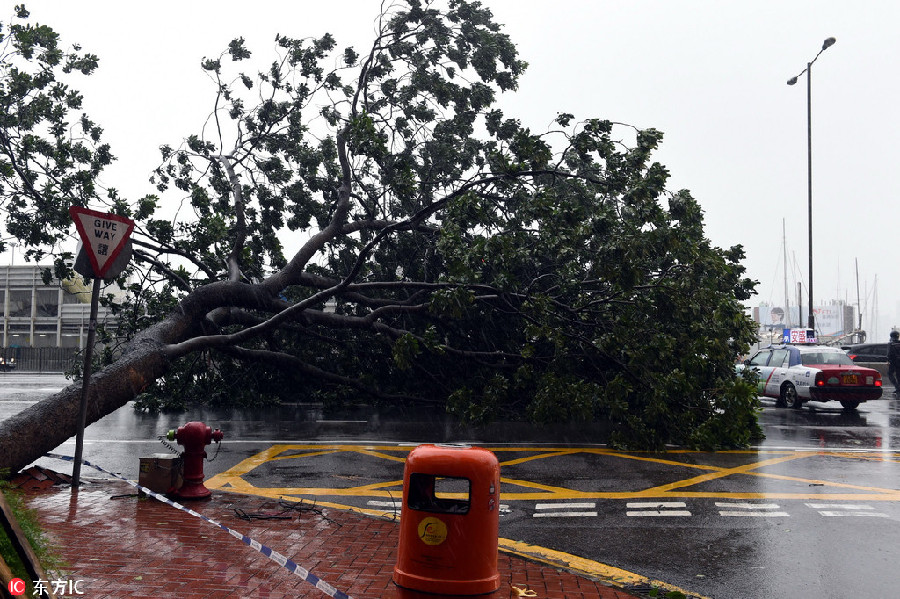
(240, 227)
(294, 364)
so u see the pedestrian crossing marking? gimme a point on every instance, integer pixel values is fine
(665, 509)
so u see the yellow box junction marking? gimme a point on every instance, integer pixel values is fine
(528, 490)
(232, 480)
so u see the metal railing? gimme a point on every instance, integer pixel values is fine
(38, 359)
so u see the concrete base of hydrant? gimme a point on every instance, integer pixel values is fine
(193, 490)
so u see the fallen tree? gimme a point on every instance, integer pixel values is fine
(442, 253)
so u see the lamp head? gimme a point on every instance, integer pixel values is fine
(792, 81)
(828, 43)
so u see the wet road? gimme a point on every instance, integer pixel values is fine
(875, 425)
(814, 511)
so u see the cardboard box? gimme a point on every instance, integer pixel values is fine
(161, 473)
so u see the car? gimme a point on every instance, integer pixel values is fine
(7, 365)
(867, 352)
(795, 374)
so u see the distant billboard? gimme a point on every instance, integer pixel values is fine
(829, 319)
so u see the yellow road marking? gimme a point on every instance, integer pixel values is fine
(539, 456)
(580, 565)
(233, 478)
(720, 473)
(383, 456)
(310, 454)
(557, 559)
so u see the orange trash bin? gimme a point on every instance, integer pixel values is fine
(449, 521)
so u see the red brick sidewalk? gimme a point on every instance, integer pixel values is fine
(143, 548)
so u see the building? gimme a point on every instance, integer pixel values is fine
(35, 315)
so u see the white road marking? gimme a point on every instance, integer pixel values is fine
(837, 510)
(565, 515)
(657, 509)
(554, 506)
(753, 510)
(564, 510)
(663, 513)
(838, 506)
(738, 514)
(838, 514)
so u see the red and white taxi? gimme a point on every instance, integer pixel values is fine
(794, 374)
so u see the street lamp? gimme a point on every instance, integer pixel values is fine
(808, 70)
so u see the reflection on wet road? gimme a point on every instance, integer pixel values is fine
(875, 425)
(813, 511)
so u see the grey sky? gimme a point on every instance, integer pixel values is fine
(711, 74)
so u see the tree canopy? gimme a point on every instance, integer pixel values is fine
(369, 224)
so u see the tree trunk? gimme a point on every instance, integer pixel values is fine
(42, 427)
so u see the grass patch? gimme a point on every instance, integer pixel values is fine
(47, 553)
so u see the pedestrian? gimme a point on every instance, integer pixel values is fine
(893, 358)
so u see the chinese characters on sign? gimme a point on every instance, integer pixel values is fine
(799, 336)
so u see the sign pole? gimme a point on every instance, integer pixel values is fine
(85, 384)
(107, 249)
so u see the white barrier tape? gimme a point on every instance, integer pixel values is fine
(290, 565)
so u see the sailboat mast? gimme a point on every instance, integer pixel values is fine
(787, 302)
(875, 307)
(858, 304)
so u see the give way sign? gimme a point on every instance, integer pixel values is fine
(104, 236)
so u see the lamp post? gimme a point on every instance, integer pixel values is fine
(808, 70)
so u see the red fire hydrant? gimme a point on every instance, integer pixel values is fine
(194, 436)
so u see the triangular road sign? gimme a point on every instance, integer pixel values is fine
(104, 236)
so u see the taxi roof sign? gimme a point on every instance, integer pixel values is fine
(799, 336)
(104, 236)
